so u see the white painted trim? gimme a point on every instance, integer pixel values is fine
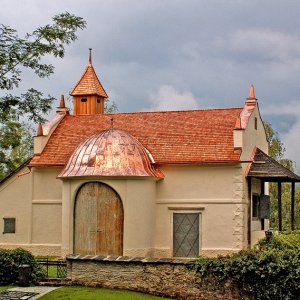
(46, 201)
(199, 201)
(180, 208)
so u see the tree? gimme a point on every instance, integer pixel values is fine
(16, 54)
(276, 147)
(16, 142)
(110, 108)
(277, 152)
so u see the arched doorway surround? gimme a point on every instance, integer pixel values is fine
(98, 220)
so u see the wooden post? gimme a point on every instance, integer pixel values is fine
(279, 207)
(293, 206)
(249, 212)
(262, 221)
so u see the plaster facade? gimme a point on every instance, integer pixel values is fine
(45, 208)
(210, 183)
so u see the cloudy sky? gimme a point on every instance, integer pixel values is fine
(180, 54)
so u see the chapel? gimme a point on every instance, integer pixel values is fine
(152, 184)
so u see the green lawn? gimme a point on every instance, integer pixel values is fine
(52, 271)
(86, 293)
(5, 287)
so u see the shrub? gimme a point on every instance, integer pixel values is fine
(271, 272)
(281, 241)
(10, 261)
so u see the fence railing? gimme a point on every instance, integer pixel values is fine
(54, 268)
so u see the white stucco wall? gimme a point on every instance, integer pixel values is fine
(35, 201)
(253, 138)
(216, 192)
(15, 202)
(138, 199)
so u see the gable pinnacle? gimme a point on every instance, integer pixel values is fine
(251, 92)
(62, 102)
(251, 100)
(40, 129)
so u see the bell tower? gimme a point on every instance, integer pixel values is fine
(88, 93)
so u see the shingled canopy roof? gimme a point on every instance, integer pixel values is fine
(266, 168)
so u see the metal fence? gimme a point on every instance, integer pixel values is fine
(54, 268)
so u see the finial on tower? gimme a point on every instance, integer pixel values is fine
(90, 56)
(112, 123)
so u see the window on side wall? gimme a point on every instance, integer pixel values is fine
(9, 225)
(255, 206)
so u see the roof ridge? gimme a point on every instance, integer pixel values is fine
(163, 111)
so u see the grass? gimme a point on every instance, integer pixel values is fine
(5, 287)
(52, 270)
(88, 293)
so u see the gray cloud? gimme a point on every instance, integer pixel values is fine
(208, 50)
(168, 98)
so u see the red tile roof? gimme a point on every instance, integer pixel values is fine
(196, 136)
(89, 84)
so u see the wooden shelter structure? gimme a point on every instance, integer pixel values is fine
(266, 169)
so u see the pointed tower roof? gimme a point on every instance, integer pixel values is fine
(89, 84)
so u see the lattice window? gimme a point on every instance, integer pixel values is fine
(186, 234)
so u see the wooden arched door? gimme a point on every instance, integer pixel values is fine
(98, 221)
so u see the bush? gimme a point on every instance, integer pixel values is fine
(281, 241)
(271, 272)
(10, 260)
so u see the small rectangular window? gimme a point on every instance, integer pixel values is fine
(9, 225)
(255, 123)
(255, 206)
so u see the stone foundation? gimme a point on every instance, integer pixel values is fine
(163, 277)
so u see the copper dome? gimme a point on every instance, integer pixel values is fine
(111, 153)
